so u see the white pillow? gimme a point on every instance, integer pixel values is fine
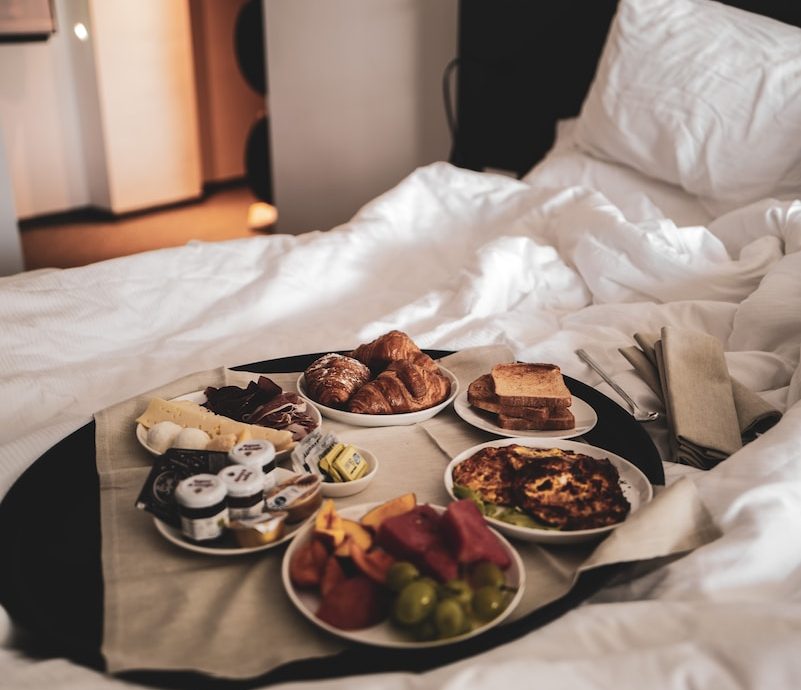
(701, 95)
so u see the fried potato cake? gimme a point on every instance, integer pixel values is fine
(488, 473)
(570, 491)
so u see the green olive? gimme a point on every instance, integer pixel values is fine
(425, 630)
(400, 574)
(449, 618)
(414, 602)
(460, 590)
(488, 602)
(486, 573)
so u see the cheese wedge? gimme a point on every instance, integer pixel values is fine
(189, 414)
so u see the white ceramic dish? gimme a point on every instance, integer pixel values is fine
(383, 419)
(175, 535)
(385, 634)
(342, 489)
(585, 415)
(636, 488)
(199, 397)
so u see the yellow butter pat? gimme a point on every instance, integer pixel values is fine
(349, 464)
(325, 462)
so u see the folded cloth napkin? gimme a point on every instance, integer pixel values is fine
(710, 414)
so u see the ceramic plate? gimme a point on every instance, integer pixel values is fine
(585, 416)
(342, 489)
(383, 419)
(199, 397)
(636, 488)
(385, 634)
(175, 535)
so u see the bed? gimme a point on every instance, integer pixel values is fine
(671, 199)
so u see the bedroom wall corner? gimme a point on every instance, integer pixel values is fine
(355, 101)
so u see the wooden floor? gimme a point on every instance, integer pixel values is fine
(220, 215)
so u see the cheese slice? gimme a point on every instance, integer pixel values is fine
(189, 414)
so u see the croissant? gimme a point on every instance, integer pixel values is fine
(401, 387)
(391, 347)
(333, 378)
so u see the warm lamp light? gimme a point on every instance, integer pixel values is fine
(261, 215)
(81, 31)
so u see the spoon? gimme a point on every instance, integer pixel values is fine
(637, 412)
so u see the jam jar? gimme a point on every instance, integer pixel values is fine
(245, 488)
(257, 455)
(203, 507)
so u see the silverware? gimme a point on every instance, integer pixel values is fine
(637, 412)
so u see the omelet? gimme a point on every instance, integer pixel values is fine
(571, 492)
(488, 473)
(558, 488)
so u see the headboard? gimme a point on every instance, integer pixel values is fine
(524, 64)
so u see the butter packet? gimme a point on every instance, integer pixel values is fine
(307, 454)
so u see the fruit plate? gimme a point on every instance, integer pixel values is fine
(385, 634)
(383, 419)
(585, 415)
(635, 485)
(199, 397)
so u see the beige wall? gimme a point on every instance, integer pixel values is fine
(148, 109)
(355, 100)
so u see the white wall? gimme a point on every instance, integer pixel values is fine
(41, 124)
(355, 100)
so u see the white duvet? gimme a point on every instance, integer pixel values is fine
(457, 258)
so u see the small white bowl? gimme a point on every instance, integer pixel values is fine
(341, 489)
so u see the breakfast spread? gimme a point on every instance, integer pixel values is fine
(389, 375)
(432, 573)
(524, 396)
(542, 487)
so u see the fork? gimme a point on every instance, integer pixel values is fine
(636, 411)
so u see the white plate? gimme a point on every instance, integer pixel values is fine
(175, 535)
(636, 488)
(585, 416)
(385, 634)
(342, 489)
(383, 419)
(199, 397)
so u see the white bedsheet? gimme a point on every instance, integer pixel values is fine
(457, 258)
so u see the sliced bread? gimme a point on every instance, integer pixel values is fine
(558, 421)
(480, 394)
(530, 384)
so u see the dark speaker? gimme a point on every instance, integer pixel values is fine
(257, 160)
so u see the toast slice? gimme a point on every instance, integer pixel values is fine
(481, 394)
(522, 384)
(560, 420)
